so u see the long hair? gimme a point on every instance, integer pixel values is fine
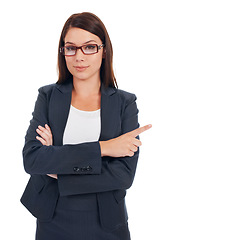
(91, 23)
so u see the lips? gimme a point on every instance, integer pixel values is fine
(80, 68)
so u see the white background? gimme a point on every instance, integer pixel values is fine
(175, 56)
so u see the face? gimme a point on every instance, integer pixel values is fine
(81, 66)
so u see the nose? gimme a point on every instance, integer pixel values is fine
(79, 57)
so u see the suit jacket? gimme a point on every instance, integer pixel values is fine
(80, 167)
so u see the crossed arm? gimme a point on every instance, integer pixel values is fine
(124, 145)
(111, 163)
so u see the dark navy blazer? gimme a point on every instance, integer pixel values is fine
(80, 167)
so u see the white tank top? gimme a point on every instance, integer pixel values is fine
(82, 126)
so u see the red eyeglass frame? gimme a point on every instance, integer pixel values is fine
(76, 48)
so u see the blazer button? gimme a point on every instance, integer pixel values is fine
(88, 168)
(76, 169)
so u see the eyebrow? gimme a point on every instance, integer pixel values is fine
(82, 44)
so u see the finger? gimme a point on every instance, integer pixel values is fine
(46, 134)
(46, 131)
(43, 142)
(48, 128)
(133, 148)
(140, 130)
(43, 135)
(136, 142)
(131, 153)
(52, 175)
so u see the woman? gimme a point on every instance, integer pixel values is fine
(82, 145)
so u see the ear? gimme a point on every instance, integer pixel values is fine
(104, 53)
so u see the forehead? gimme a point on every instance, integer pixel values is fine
(79, 36)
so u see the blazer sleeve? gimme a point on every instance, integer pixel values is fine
(116, 173)
(42, 160)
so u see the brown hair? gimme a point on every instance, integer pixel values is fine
(93, 24)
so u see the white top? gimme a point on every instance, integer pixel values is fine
(82, 126)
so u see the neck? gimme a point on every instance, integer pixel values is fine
(86, 88)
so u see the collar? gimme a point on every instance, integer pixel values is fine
(67, 87)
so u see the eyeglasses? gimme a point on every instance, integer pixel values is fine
(87, 49)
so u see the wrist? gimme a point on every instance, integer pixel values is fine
(103, 148)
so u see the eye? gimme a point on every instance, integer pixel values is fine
(90, 47)
(70, 48)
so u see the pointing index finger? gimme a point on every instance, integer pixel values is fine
(140, 130)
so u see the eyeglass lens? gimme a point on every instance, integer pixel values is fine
(87, 49)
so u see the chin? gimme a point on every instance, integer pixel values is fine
(85, 77)
(80, 76)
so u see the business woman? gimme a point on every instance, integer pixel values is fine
(82, 144)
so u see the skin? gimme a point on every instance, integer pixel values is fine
(86, 95)
(86, 82)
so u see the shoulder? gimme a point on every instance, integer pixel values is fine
(128, 103)
(63, 87)
(45, 92)
(47, 88)
(126, 97)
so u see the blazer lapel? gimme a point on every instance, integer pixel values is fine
(60, 105)
(110, 113)
(59, 110)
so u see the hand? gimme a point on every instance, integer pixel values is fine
(46, 139)
(52, 175)
(46, 135)
(124, 145)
